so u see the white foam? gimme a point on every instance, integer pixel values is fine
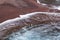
(56, 7)
(44, 4)
(38, 2)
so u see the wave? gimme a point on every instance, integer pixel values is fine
(32, 26)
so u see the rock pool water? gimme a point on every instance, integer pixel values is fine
(37, 32)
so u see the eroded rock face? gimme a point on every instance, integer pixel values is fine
(35, 18)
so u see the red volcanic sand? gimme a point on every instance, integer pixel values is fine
(9, 11)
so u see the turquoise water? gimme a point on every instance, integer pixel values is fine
(37, 32)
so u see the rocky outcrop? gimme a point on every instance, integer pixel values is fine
(13, 25)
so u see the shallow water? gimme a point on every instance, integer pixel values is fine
(37, 32)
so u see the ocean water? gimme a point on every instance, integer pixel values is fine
(37, 32)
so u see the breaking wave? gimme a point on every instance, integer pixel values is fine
(49, 31)
(37, 32)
